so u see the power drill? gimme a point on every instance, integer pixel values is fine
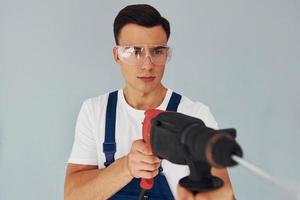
(186, 140)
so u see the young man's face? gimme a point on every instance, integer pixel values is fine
(143, 74)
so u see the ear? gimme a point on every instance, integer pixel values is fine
(115, 54)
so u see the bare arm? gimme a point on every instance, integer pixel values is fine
(89, 183)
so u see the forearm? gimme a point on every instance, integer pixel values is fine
(97, 183)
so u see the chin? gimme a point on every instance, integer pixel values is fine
(146, 88)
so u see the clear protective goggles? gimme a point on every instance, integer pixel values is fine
(137, 54)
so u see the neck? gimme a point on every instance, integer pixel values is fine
(145, 100)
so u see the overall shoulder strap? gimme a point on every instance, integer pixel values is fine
(109, 145)
(174, 102)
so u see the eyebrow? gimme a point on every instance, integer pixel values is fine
(136, 44)
(153, 47)
(160, 47)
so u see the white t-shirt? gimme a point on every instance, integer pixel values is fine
(90, 131)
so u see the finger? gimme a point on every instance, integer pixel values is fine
(147, 174)
(150, 159)
(148, 167)
(142, 147)
(137, 157)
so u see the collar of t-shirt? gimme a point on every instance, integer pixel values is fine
(136, 112)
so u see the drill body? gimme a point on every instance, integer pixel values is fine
(185, 140)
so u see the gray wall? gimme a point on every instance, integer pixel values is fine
(239, 57)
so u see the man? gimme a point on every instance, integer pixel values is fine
(108, 155)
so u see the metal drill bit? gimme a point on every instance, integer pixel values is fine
(260, 172)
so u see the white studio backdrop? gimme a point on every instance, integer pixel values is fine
(241, 58)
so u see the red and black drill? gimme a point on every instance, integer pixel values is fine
(186, 140)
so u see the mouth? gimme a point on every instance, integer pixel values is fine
(146, 78)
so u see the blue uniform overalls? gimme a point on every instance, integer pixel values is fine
(161, 189)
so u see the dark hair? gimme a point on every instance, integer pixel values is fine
(140, 14)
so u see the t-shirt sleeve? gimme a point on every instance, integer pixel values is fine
(203, 112)
(84, 149)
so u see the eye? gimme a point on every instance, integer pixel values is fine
(159, 50)
(137, 50)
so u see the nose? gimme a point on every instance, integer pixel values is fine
(148, 63)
